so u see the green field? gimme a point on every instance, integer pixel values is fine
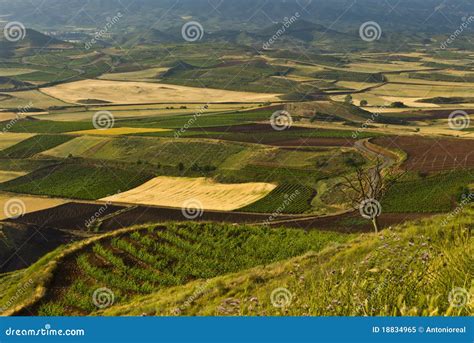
(437, 193)
(174, 255)
(409, 270)
(286, 198)
(77, 181)
(34, 145)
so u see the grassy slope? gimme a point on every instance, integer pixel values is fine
(408, 270)
(182, 252)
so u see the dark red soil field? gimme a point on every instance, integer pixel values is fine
(143, 215)
(430, 115)
(432, 154)
(249, 128)
(70, 216)
(23, 245)
(315, 142)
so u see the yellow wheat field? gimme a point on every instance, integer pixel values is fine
(8, 139)
(202, 193)
(13, 205)
(144, 92)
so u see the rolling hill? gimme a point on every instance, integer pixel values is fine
(411, 269)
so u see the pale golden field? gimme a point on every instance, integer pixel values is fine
(423, 91)
(354, 85)
(179, 191)
(142, 111)
(76, 147)
(9, 139)
(117, 131)
(30, 98)
(374, 67)
(27, 203)
(143, 92)
(10, 175)
(15, 71)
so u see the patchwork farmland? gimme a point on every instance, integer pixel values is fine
(338, 168)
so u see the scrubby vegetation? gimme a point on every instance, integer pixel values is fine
(408, 270)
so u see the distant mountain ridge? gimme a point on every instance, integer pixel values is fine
(434, 16)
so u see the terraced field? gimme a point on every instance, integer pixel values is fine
(146, 260)
(430, 155)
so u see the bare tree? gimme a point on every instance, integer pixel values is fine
(365, 189)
